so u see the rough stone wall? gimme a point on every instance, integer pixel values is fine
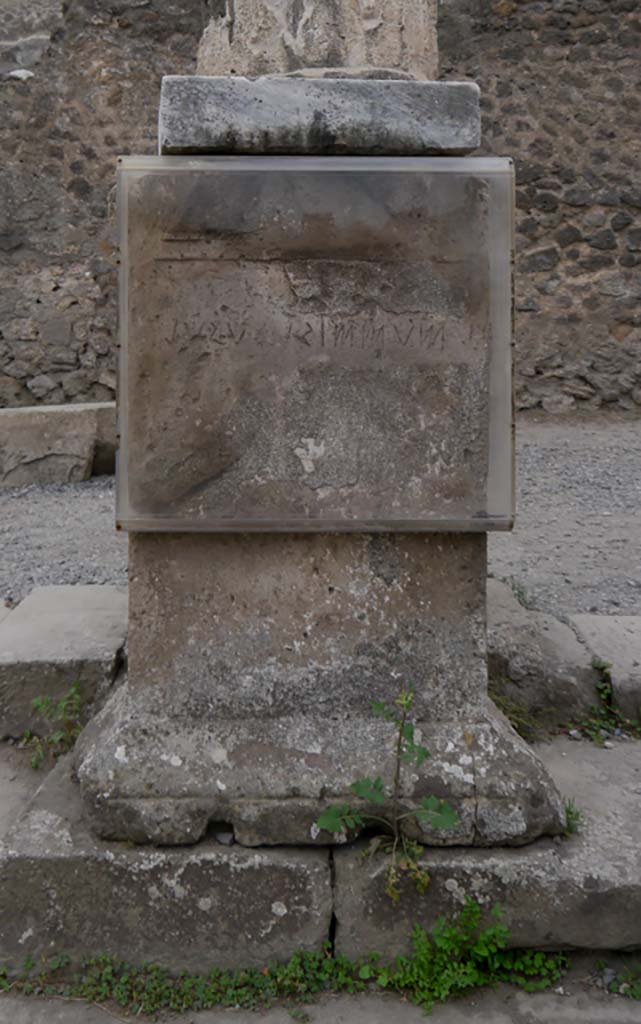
(87, 91)
(560, 93)
(560, 81)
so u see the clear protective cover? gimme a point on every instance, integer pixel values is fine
(315, 344)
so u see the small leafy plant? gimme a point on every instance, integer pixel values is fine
(65, 716)
(605, 717)
(459, 955)
(404, 853)
(574, 820)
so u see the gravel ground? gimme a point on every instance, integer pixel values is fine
(62, 533)
(576, 546)
(577, 542)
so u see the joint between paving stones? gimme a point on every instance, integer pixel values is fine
(333, 921)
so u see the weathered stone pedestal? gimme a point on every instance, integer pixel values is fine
(253, 663)
(316, 435)
(315, 409)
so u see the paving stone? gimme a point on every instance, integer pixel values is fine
(56, 443)
(537, 661)
(583, 892)
(61, 890)
(500, 1005)
(56, 637)
(317, 116)
(4, 612)
(616, 639)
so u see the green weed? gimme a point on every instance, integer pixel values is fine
(574, 820)
(523, 721)
(65, 716)
(460, 955)
(403, 853)
(626, 982)
(605, 717)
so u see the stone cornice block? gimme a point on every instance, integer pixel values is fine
(317, 116)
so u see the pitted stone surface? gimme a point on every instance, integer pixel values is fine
(257, 37)
(336, 329)
(252, 625)
(63, 890)
(317, 115)
(253, 664)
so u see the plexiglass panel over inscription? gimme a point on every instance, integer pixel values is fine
(315, 344)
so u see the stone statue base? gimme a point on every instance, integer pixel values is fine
(254, 662)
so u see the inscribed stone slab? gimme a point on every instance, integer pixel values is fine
(315, 344)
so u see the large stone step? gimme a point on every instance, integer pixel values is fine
(57, 637)
(62, 890)
(615, 641)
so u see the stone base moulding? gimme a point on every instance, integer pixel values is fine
(253, 664)
(64, 891)
(149, 779)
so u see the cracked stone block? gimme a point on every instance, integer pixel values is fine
(257, 37)
(312, 115)
(57, 637)
(616, 640)
(56, 443)
(62, 890)
(551, 893)
(537, 661)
